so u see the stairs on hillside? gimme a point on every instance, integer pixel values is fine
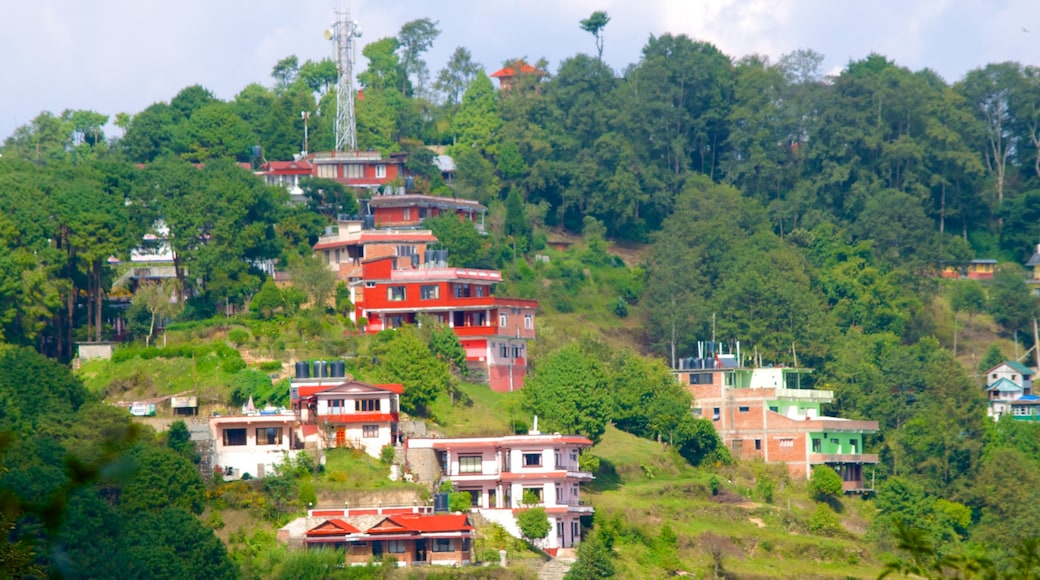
(555, 569)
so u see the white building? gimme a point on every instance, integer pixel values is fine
(499, 471)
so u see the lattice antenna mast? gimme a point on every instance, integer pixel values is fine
(343, 32)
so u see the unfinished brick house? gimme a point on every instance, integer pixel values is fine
(773, 414)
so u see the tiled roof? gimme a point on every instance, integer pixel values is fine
(510, 71)
(433, 523)
(333, 527)
(1003, 385)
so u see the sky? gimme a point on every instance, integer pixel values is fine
(114, 56)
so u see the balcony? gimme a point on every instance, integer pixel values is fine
(805, 395)
(820, 458)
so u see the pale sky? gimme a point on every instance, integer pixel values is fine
(115, 56)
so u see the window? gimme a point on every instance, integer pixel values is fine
(786, 442)
(534, 493)
(234, 436)
(471, 464)
(503, 320)
(479, 290)
(370, 431)
(405, 251)
(835, 442)
(354, 171)
(366, 405)
(696, 411)
(743, 409)
(430, 292)
(380, 171)
(503, 350)
(715, 415)
(575, 532)
(774, 409)
(443, 545)
(395, 321)
(528, 321)
(758, 444)
(327, 171)
(337, 406)
(852, 445)
(700, 378)
(532, 459)
(816, 445)
(395, 293)
(269, 436)
(462, 290)
(407, 214)
(395, 546)
(518, 351)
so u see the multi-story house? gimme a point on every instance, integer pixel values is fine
(773, 414)
(410, 210)
(1009, 390)
(504, 475)
(346, 244)
(493, 331)
(366, 169)
(287, 174)
(343, 412)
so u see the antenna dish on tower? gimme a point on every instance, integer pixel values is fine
(343, 32)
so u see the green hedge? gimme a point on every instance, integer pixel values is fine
(221, 349)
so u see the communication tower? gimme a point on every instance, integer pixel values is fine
(342, 33)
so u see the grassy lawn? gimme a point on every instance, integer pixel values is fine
(480, 412)
(642, 486)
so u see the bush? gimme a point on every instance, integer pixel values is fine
(825, 483)
(765, 488)
(270, 366)
(238, 336)
(386, 454)
(460, 501)
(233, 365)
(824, 521)
(533, 523)
(714, 484)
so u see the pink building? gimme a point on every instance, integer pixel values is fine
(498, 472)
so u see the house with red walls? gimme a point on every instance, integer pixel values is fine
(774, 414)
(367, 169)
(410, 210)
(394, 291)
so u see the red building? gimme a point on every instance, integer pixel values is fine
(358, 168)
(409, 210)
(394, 291)
(508, 76)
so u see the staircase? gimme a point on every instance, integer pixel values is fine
(555, 569)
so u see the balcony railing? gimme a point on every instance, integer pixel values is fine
(817, 458)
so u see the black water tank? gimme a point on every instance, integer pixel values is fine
(440, 502)
(303, 370)
(409, 183)
(369, 222)
(320, 369)
(339, 368)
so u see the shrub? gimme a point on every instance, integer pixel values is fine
(460, 501)
(270, 366)
(824, 521)
(714, 484)
(238, 336)
(386, 454)
(233, 365)
(824, 483)
(765, 488)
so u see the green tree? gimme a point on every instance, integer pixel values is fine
(328, 197)
(268, 300)
(407, 360)
(414, 39)
(159, 299)
(595, 559)
(178, 438)
(825, 483)
(533, 523)
(569, 392)
(163, 478)
(285, 71)
(457, 74)
(478, 120)
(1010, 302)
(594, 25)
(312, 276)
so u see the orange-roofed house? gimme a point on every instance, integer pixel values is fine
(508, 76)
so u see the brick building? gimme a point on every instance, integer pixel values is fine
(773, 414)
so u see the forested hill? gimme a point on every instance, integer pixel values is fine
(806, 216)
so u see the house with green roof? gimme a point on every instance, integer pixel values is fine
(1009, 391)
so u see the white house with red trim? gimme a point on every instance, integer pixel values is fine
(343, 412)
(254, 443)
(497, 472)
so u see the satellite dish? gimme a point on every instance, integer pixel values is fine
(328, 34)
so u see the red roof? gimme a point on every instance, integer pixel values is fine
(433, 523)
(310, 390)
(333, 527)
(287, 167)
(511, 72)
